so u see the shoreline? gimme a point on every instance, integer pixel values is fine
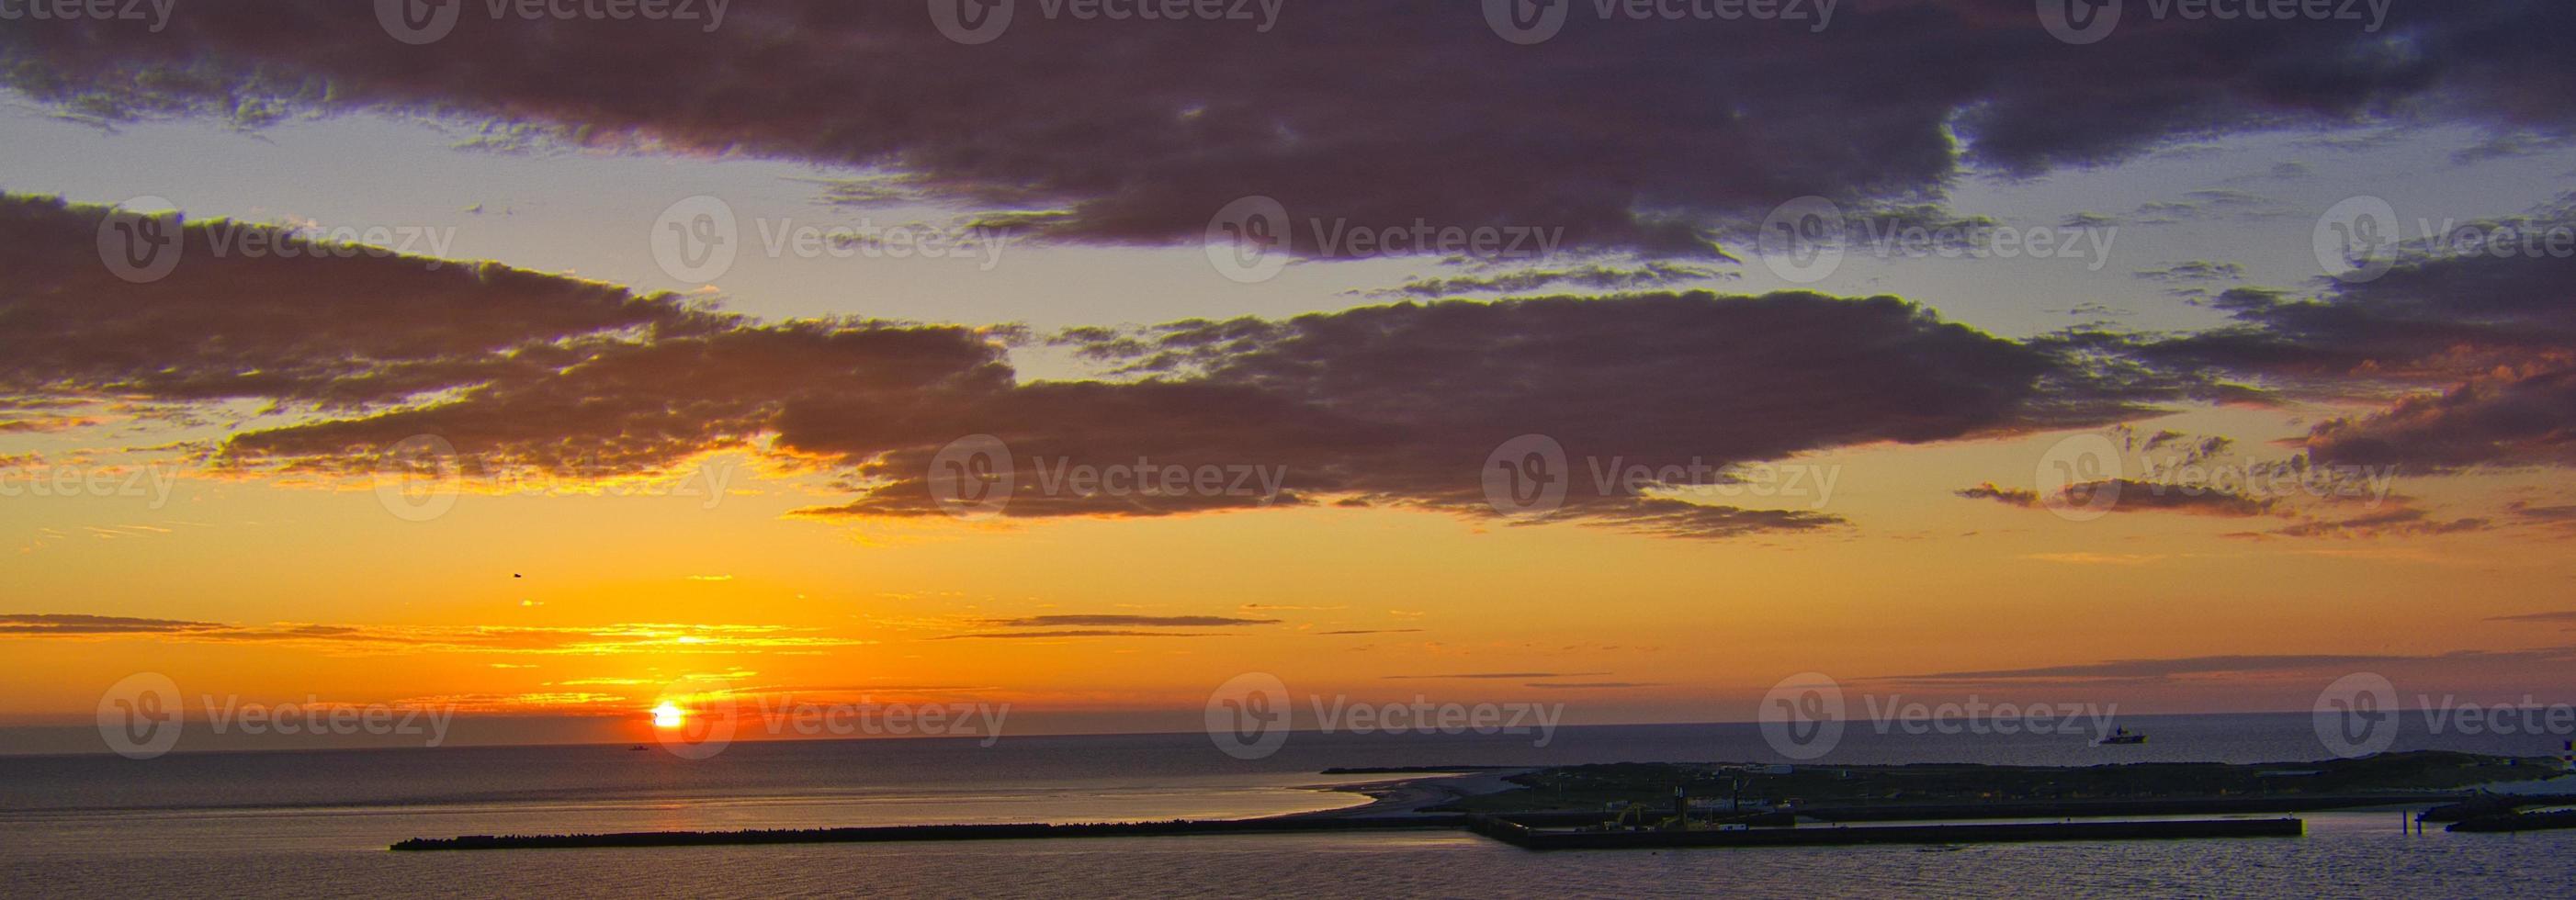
(1408, 796)
(1591, 806)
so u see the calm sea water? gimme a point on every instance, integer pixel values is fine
(316, 823)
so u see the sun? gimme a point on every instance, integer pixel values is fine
(668, 715)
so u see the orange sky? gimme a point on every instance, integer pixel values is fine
(711, 361)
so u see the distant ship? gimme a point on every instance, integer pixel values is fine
(2123, 736)
(637, 747)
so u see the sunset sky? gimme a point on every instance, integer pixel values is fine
(534, 461)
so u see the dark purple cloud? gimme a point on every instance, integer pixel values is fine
(1385, 405)
(333, 330)
(1402, 405)
(2131, 495)
(1637, 134)
(2506, 419)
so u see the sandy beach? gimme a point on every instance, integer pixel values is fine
(1410, 794)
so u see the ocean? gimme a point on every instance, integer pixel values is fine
(316, 823)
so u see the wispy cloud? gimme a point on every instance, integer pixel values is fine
(2167, 669)
(1115, 621)
(1077, 633)
(612, 638)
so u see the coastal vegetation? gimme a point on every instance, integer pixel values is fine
(1851, 790)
